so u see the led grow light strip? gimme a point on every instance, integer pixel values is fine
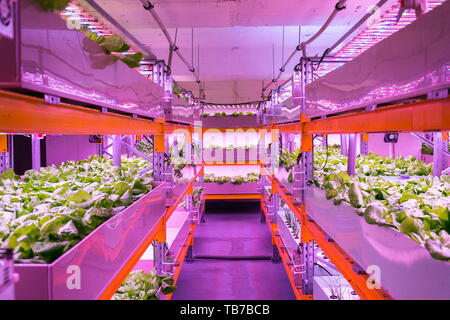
(380, 30)
(79, 17)
(372, 34)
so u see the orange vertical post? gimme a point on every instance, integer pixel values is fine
(159, 143)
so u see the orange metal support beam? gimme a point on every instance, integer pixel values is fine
(182, 255)
(225, 130)
(159, 143)
(120, 278)
(423, 115)
(294, 127)
(178, 128)
(24, 114)
(427, 115)
(344, 264)
(339, 257)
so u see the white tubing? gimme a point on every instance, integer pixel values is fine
(163, 28)
(340, 4)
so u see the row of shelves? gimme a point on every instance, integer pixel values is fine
(378, 262)
(25, 114)
(379, 76)
(97, 266)
(311, 231)
(418, 116)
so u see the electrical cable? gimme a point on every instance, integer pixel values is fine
(340, 40)
(340, 5)
(151, 8)
(325, 269)
(321, 59)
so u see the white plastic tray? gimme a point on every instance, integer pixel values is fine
(407, 270)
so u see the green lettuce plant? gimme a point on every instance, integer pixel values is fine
(250, 177)
(113, 44)
(49, 211)
(417, 207)
(145, 146)
(53, 5)
(144, 286)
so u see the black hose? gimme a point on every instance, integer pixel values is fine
(325, 269)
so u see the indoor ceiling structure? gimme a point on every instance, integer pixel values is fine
(235, 45)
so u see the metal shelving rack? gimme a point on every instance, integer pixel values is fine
(80, 101)
(24, 114)
(414, 113)
(222, 125)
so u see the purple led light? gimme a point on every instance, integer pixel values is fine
(75, 12)
(380, 30)
(371, 35)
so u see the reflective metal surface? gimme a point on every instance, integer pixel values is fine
(56, 60)
(229, 188)
(410, 63)
(87, 269)
(230, 122)
(406, 269)
(182, 111)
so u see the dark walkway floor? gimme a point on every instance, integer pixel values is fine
(233, 229)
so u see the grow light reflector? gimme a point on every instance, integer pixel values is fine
(78, 17)
(380, 30)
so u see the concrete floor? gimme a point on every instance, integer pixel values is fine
(233, 229)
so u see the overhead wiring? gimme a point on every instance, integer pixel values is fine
(151, 8)
(340, 5)
(357, 25)
(301, 47)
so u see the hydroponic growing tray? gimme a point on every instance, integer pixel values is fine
(235, 155)
(230, 122)
(412, 62)
(283, 177)
(230, 188)
(291, 243)
(46, 56)
(179, 187)
(407, 270)
(86, 270)
(182, 111)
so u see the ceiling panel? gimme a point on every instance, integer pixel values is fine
(236, 37)
(229, 13)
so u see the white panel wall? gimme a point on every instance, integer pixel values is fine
(69, 147)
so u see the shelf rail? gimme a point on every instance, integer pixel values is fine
(343, 262)
(157, 231)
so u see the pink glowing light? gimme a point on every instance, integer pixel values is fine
(81, 17)
(380, 30)
(385, 26)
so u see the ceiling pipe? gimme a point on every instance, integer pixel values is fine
(336, 44)
(151, 8)
(340, 5)
(357, 25)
